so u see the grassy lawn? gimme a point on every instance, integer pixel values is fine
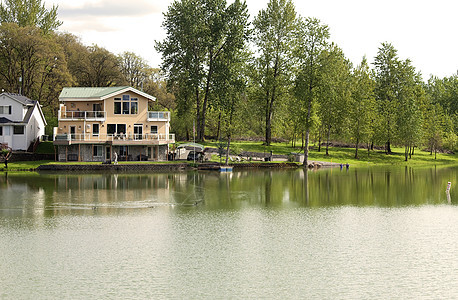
(346, 155)
(336, 155)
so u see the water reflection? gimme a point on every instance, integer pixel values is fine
(30, 195)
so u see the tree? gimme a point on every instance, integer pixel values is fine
(311, 40)
(98, 68)
(334, 91)
(31, 63)
(274, 30)
(6, 153)
(408, 114)
(361, 109)
(29, 13)
(198, 33)
(386, 90)
(134, 69)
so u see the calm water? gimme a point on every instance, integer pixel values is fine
(358, 234)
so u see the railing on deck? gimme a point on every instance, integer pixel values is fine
(82, 115)
(89, 137)
(158, 116)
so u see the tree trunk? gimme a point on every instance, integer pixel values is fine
(356, 150)
(218, 131)
(327, 141)
(228, 148)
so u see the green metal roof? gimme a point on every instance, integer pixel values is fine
(89, 92)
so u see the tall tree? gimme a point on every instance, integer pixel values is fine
(311, 39)
(334, 91)
(134, 69)
(198, 33)
(31, 63)
(29, 13)
(408, 114)
(386, 90)
(274, 29)
(362, 105)
(98, 68)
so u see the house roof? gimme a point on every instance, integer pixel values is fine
(29, 103)
(98, 93)
(19, 98)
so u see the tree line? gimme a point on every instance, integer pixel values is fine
(278, 77)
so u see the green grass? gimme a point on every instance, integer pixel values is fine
(346, 155)
(336, 155)
(45, 148)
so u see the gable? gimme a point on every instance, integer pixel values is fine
(98, 93)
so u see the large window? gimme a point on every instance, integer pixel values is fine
(116, 128)
(126, 105)
(5, 110)
(97, 151)
(18, 130)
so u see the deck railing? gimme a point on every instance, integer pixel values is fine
(82, 115)
(158, 116)
(89, 137)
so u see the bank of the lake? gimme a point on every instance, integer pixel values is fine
(337, 156)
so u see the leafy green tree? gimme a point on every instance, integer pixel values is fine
(274, 29)
(408, 113)
(199, 33)
(334, 91)
(386, 91)
(134, 69)
(311, 39)
(32, 64)
(362, 109)
(29, 13)
(98, 68)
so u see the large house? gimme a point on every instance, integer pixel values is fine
(22, 122)
(110, 123)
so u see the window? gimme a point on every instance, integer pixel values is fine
(121, 128)
(1, 130)
(18, 130)
(153, 129)
(134, 108)
(95, 129)
(126, 105)
(97, 107)
(117, 108)
(5, 110)
(125, 108)
(116, 128)
(123, 150)
(97, 151)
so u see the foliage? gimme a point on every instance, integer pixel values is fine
(26, 13)
(199, 34)
(274, 29)
(311, 39)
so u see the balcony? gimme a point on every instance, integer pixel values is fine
(115, 139)
(158, 116)
(76, 115)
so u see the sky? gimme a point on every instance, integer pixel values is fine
(422, 31)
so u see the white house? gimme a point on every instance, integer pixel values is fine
(21, 121)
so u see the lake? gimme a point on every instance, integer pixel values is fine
(366, 233)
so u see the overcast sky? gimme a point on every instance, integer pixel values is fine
(423, 31)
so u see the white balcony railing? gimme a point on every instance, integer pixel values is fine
(158, 116)
(70, 115)
(89, 137)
